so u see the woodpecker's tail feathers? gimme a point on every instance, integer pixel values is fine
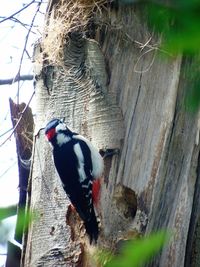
(92, 229)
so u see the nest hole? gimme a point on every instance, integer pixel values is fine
(126, 200)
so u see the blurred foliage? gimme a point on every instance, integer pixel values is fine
(4, 232)
(24, 218)
(6, 212)
(5, 229)
(178, 23)
(135, 253)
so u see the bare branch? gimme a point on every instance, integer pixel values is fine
(17, 78)
(6, 171)
(25, 44)
(6, 132)
(16, 125)
(14, 14)
(23, 24)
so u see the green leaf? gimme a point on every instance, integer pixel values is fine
(137, 252)
(6, 212)
(24, 219)
(179, 24)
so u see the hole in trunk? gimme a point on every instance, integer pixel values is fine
(126, 200)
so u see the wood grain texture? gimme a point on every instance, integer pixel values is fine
(159, 157)
(122, 96)
(77, 93)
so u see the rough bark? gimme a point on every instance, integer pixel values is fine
(22, 120)
(22, 115)
(125, 98)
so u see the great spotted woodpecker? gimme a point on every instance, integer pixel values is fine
(79, 166)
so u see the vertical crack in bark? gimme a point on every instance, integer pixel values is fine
(136, 102)
(130, 126)
(194, 218)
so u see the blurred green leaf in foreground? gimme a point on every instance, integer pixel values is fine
(179, 23)
(135, 253)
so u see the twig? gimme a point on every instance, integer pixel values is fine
(16, 125)
(28, 54)
(25, 44)
(6, 132)
(8, 169)
(38, 133)
(141, 56)
(27, 77)
(14, 14)
(25, 25)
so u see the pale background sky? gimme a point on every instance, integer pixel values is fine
(12, 38)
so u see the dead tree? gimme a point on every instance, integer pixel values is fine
(101, 70)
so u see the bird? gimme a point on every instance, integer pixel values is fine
(80, 167)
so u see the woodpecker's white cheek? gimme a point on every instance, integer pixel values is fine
(62, 139)
(97, 160)
(60, 127)
(79, 154)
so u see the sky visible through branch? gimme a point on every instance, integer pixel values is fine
(13, 36)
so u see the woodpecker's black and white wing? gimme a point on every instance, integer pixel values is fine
(96, 165)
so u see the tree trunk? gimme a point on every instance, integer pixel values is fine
(121, 94)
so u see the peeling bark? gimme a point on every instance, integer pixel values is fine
(22, 120)
(24, 141)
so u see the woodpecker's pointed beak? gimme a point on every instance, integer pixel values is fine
(50, 134)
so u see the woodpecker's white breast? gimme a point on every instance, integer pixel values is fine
(62, 139)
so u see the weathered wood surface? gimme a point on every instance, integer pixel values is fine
(139, 109)
(77, 97)
(159, 157)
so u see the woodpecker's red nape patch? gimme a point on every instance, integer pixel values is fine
(96, 186)
(51, 133)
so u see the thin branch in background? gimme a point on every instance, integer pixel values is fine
(28, 55)
(25, 44)
(6, 132)
(26, 26)
(8, 169)
(18, 78)
(6, 116)
(23, 24)
(14, 19)
(150, 64)
(14, 14)
(16, 125)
